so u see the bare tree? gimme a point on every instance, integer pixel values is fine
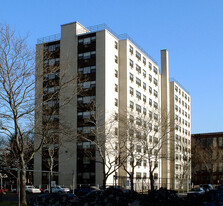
(145, 136)
(206, 156)
(186, 169)
(17, 94)
(130, 139)
(103, 136)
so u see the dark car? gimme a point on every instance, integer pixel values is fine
(82, 191)
(206, 187)
(195, 192)
(94, 197)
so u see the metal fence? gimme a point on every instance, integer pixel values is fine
(143, 185)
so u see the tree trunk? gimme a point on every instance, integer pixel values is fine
(132, 182)
(23, 185)
(151, 181)
(104, 176)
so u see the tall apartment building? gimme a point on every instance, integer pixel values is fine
(92, 73)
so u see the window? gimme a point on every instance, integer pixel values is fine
(87, 55)
(131, 105)
(150, 66)
(150, 102)
(131, 90)
(138, 175)
(116, 59)
(87, 85)
(116, 116)
(176, 117)
(144, 164)
(150, 90)
(176, 88)
(86, 160)
(138, 108)
(131, 63)
(116, 131)
(144, 60)
(155, 70)
(150, 114)
(150, 126)
(138, 55)
(144, 98)
(155, 116)
(130, 49)
(138, 121)
(86, 175)
(138, 135)
(155, 128)
(86, 99)
(155, 139)
(139, 163)
(138, 68)
(155, 104)
(138, 81)
(116, 102)
(87, 70)
(144, 73)
(116, 44)
(87, 40)
(155, 81)
(116, 73)
(52, 48)
(144, 111)
(131, 118)
(155, 93)
(150, 139)
(176, 97)
(150, 78)
(138, 148)
(138, 94)
(144, 85)
(116, 88)
(131, 76)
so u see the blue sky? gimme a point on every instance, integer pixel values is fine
(192, 31)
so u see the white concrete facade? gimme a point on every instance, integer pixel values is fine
(127, 83)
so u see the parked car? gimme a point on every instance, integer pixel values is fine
(95, 197)
(32, 189)
(206, 187)
(66, 189)
(13, 190)
(196, 192)
(82, 191)
(57, 189)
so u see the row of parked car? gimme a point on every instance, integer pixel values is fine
(33, 190)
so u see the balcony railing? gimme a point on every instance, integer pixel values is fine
(96, 28)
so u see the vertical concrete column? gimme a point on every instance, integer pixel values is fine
(165, 109)
(68, 102)
(38, 114)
